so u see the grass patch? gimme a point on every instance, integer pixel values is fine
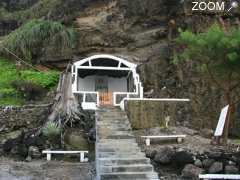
(9, 95)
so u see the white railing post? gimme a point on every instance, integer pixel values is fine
(84, 97)
(48, 156)
(98, 99)
(114, 99)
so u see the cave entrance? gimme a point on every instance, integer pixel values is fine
(105, 80)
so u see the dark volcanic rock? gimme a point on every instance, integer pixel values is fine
(230, 169)
(182, 158)
(207, 163)
(92, 134)
(198, 163)
(216, 167)
(190, 171)
(150, 153)
(34, 152)
(13, 5)
(214, 155)
(164, 155)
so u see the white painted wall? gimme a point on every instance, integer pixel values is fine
(86, 84)
(117, 84)
(114, 84)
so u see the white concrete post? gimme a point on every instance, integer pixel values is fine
(179, 140)
(82, 158)
(48, 156)
(148, 141)
(84, 97)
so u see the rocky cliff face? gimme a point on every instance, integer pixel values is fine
(142, 32)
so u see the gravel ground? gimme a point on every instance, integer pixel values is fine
(42, 170)
(193, 141)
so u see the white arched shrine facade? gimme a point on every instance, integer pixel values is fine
(105, 80)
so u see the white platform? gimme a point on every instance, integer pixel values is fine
(219, 176)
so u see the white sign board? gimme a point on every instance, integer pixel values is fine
(221, 121)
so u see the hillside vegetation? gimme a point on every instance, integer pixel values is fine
(22, 11)
(32, 38)
(17, 86)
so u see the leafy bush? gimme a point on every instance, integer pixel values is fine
(29, 40)
(16, 86)
(51, 130)
(45, 80)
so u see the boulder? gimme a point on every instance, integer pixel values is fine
(29, 159)
(34, 152)
(75, 139)
(207, 133)
(190, 171)
(11, 140)
(19, 151)
(216, 167)
(214, 155)
(22, 150)
(207, 163)
(231, 169)
(182, 158)
(164, 155)
(150, 153)
(92, 134)
(198, 163)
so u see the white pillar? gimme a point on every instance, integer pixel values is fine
(148, 142)
(179, 140)
(48, 156)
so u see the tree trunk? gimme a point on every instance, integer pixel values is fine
(66, 108)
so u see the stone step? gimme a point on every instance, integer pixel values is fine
(103, 134)
(125, 168)
(120, 129)
(117, 147)
(129, 176)
(123, 161)
(122, 149)
(114, 128)
(120, 136)
(113, 124)
(121, 155)
(118, 155)
(114, 145)
(121, 141)
(112, 120)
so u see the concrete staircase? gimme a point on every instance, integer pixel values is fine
(117, 153)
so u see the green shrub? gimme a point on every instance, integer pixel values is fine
(45, 80)
(51, 130)
(33, 37)
(18, 86)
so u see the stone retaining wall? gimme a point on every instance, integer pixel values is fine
(15, 118)
(147, 114)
